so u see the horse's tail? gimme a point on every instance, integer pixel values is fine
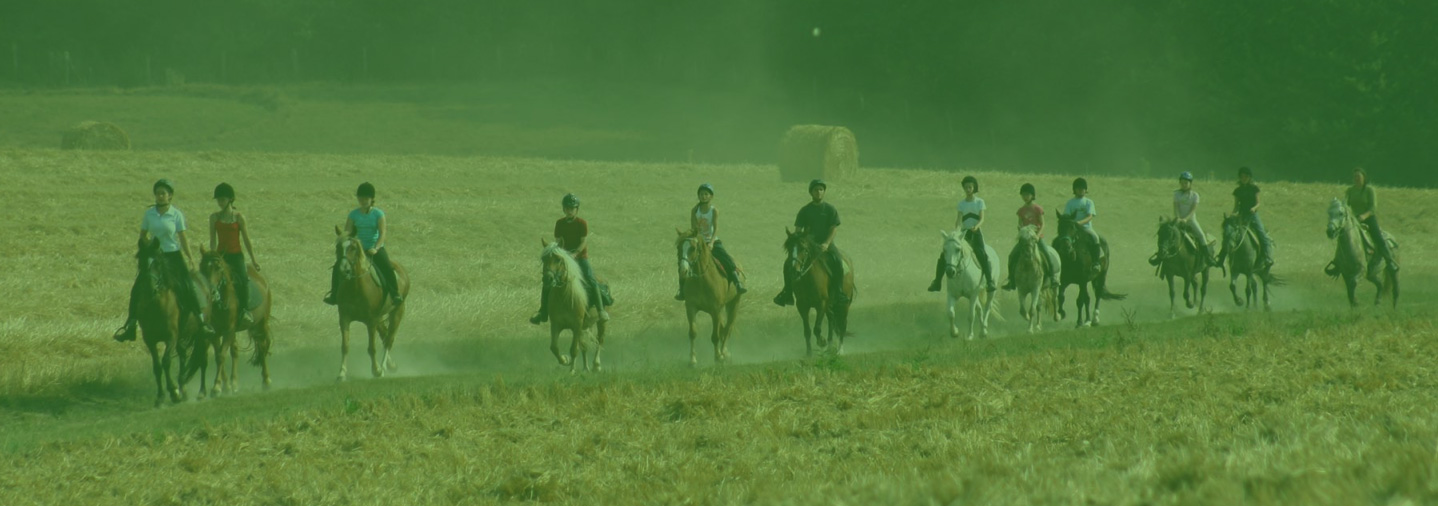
(1270, 279)
(994, 311)
(1392, 276)
(259, 341)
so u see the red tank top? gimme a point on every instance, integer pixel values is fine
(229, 234)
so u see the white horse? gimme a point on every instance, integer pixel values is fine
(965, 280)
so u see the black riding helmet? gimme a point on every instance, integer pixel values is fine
(163, 183)
(224, 190)
(1027, 189)
(970, 179)
(818, 183)
(1245, 171)
(1080, 184)
(706, 187)
(570, 200)
(365, 190)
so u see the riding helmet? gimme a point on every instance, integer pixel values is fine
(224, 190)
(1186, 176)
(970, 179)
(818, 183)
(163, 183)
(1080, 184)
(570, 201)
(706, 187)
(1245, 171)
(1027, 189)
(365, 190)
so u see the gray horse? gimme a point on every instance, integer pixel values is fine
(1354, 256)
(1240, 243)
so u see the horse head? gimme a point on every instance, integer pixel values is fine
(1337, 217)
(799, 247)
(215, 272)
(556, 264)
(685, 246)
(956, 251)
(151, 263)
(1170, 237)
(350, 254)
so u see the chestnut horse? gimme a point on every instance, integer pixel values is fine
(569, 307)
(809, 278)
(706, 289)
(360, 298)
(225, 308)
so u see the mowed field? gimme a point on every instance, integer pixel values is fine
(1312, 403)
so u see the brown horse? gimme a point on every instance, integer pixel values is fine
(1077, 258)
(360, 298)
(158, 312)
(225, 308)
(1179, 257)
(809, 278)
(569, 307)
(706, 289)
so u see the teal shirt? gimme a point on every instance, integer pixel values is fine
(367, 225)
(1080, 208)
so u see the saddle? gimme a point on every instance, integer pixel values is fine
(1367, 236)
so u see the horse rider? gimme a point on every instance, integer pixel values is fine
(1245, 205)
(1081, 210)
(228, 230)
(820, 221)
(970, 220)
(164, 222)
(704, 219)
(369, 225)
(1031, 213)
(1185, 210)
(1363, 203)
(572, 234)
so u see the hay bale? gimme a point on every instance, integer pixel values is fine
(95, 136)
(817, 151)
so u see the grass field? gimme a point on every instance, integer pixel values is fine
(1312, 403)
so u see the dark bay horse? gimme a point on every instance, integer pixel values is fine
(225, 308)
(1077, 259)
(809, 278)
(708, 290)
(569, 308)
(360, 298)
(1241, 244)
(1180, 258)
(158, 311)
(1354, 258)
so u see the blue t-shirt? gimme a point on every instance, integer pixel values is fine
(367, 225)
(164, 227)
(1079, 208)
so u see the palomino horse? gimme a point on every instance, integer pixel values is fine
(1036, 274)
(159, 314)
(966, 281)
(706, 289)
(1077, 260)
(1353, 257)
(809, 278)
(569, 307)
(1241, 245)
(360, 298)
(225, 308)
(1179, 257)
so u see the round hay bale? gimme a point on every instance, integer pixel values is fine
(817, 151)
(95, 136)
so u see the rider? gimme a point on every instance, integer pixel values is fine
(166, 224)
(1030, 214)
(820, 220)
(369, 224)
(227, 228)
(704, 218)
(969, 220)
(1185, 210)
(1245, 205)
(572, 234)
(1363, 201)
(1081, 210)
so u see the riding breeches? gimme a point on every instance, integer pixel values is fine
(722, 255)
(240, 277)
(1191, 226)
(1380, 245)
(1256, 223)
(587, 272)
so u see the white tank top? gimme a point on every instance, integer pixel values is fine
(705, 222)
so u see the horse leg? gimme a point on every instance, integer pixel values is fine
(1202, 290)
(808, 338)
(260, 334)
(1059, 308)
(387, 331)
(1085, 311)
(1263, 283)
(974, 305)
(984, 313)
(1233, 288)
(165, 362)
(689, 312)
(344, 348)
(598, 344)
(953, 316)
(232, 380)
(717, 319)
(159, 373)
(577, 334)
(1172, 304)
(554, 331)
(372, 328)
(1351, 284)
(731, 313)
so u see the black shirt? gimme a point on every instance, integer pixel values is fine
(817, 220)
(1247, 197)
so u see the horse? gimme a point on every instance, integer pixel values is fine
(226, 310)
(1353, 257)
(1241, 244)
(569, 308)
(159, 315)
(706, 289)
(360, 298)
(1034, 278)
(966, 281)
(1179, 257)
(810, 286)
(1077, 260)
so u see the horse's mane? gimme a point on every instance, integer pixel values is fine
(1029, 233)
(571, 267)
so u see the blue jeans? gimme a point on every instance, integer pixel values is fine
(1256, 224)
(587, 273)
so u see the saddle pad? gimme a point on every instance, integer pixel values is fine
(255, 295)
